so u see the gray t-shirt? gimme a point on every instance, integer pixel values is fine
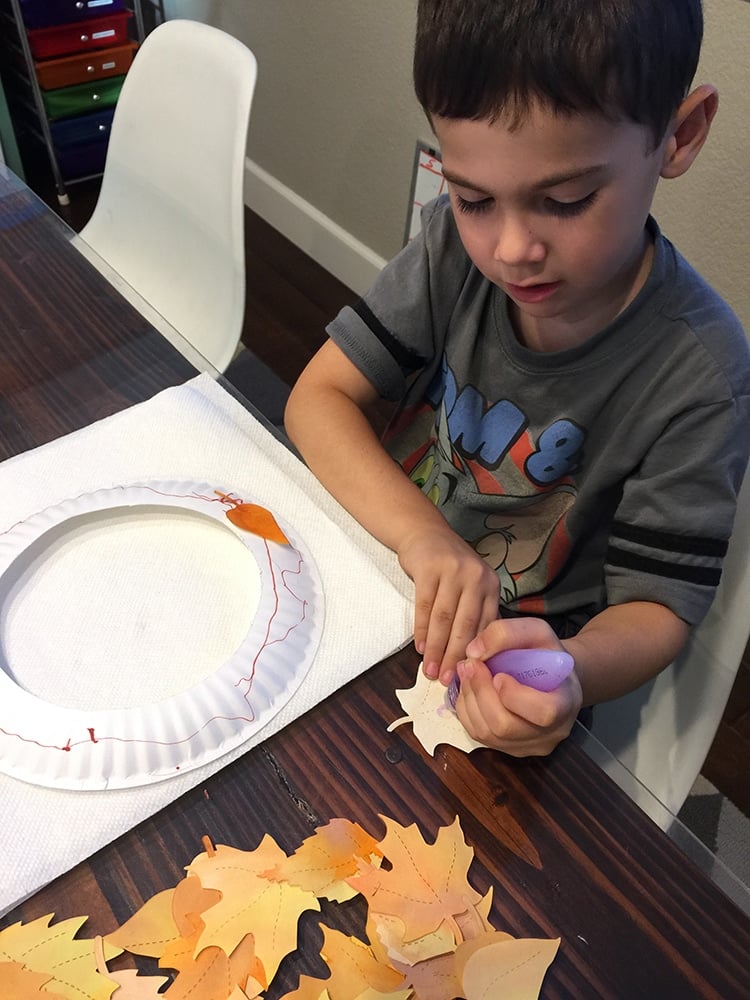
(587, 477)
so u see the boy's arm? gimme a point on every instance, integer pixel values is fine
(456, 592)
(618, 650)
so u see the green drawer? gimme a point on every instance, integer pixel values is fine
(82, 98)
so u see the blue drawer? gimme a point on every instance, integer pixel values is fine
(83, 160)
(41, 13)
(82, 129)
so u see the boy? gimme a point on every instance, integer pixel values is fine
(574, 398)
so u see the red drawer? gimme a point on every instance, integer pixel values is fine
(66, 72)
(64, 39)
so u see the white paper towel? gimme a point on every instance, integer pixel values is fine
(196, 432)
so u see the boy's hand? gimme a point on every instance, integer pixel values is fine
(507, 715)
(456, 596)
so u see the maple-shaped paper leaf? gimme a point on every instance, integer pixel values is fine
(250, 903)
(355, 971)
(427, 883)
(19, 983)
(258, 521)
(52, 950)
(151, 928)
(434, 721)
(322, 862)
(501, 966)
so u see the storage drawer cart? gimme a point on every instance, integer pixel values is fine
(65, 62)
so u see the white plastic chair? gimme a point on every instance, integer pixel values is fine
(663, 731)
(170, 215)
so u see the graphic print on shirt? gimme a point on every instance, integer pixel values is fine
(504, 488)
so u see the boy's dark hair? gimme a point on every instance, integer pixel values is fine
(633, 59)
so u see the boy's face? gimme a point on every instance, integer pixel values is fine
(554, 213)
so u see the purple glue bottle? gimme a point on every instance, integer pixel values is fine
(542, 669)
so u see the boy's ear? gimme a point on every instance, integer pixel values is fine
(689, 130)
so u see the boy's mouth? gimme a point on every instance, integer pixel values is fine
(532, 293)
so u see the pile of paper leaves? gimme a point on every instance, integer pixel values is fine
(224, 929)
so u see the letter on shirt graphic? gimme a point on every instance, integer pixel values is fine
(558, 453)
(480, 433)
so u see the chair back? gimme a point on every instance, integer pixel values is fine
(663, 731)
(170, 214)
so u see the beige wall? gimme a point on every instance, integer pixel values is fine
(335, 123)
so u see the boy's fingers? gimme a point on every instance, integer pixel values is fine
(438, 634)
(424, 599)
(479, 708)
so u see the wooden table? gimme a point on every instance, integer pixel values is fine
(568, 853)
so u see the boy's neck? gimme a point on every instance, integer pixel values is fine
(549, 334)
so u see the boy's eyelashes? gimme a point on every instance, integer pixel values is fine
(568, 209)
(564, 209)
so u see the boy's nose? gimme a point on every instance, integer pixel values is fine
(516, 243)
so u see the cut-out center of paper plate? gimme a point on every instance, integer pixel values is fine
(118, 609)
(146, 630)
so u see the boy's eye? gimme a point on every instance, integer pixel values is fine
(569, 209)
(464, 205)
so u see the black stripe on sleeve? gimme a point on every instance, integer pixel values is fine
(668, 542)
(703, 575)
(407, 360)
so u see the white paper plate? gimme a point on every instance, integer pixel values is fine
(272, 591)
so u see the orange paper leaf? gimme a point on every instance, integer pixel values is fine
(68, 962)
(208, 978)
(326, 858)
(354, 968)
(251, 903)
(309, 989)
(257, 520)
(150, 930)
(427, 883)
(19, 983)
(507, 967)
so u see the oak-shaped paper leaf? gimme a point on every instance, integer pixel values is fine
(251, 903)
(253, 991)
(309, 989)
(433, 979)
(389, 932)
(68, 962)
(150, 929)
(189, 901)
(433, 719)
(500, 966)
(325, 859)
(426, 884)
(476, 920)
(208, 978)
(19, 983)
(355, 970)
(132, 986)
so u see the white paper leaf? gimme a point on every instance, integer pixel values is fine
(429, 711)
